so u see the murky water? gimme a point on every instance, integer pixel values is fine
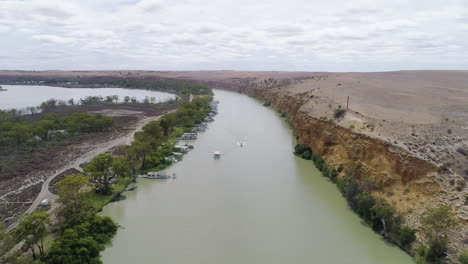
(22, 96)
(257, 204)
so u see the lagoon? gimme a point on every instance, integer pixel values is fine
(22, 96)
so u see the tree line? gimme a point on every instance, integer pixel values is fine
(52, 105)
(150, 147)
(436, 222)
(176, 86)
(19, 132)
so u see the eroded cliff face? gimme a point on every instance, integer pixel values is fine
(381, 161)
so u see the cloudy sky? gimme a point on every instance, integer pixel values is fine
(308, 35)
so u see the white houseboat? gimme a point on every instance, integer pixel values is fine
(159, 175)
(189, 136)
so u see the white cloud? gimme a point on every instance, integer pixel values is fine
(53, 39)
(203, 34)
(150, 5)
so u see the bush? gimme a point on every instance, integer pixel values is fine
(299, 149)
(306, 155)
(436, 250)
(407, 235)
(340, 168)
(463, 258)
(339, 113)
(267, 104)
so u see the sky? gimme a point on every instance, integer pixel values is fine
(292, 35)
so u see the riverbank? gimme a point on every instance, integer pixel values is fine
(407, 182)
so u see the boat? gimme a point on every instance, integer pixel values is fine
(217, 155)
(159, 175)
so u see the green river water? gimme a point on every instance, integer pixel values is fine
(257, 204)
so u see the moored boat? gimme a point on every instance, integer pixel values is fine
(159, 175)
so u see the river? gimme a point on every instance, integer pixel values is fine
(22, 96)
(257, 204)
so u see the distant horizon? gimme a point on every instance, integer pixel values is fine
(298, 71)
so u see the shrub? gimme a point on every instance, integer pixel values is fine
(299, 149)
(407, 235)
(306, 155)
(339, 113)
(340, 168)
(267, 104)
(463, 258)
(436, 250)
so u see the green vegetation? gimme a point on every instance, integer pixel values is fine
(407, 236)
(73, 195)
(82, 243)
(339, 113)
(79, 233)
(32, 231)
(463, 258)
(101, 171)
(18, 132)
(6, 241)
(179, 87)
(268, 103)
(435, 225)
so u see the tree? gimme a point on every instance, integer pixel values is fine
(73, 192)
(121, 166)
(32, 231)
(435, 225)
(382, 215)
(167, 123)
(6, 241)
(100, 168)
(153, 129)
(74, 248)
(127, 99)
(82, 243)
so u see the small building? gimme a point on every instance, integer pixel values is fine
(217, 155)
(189, 136)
